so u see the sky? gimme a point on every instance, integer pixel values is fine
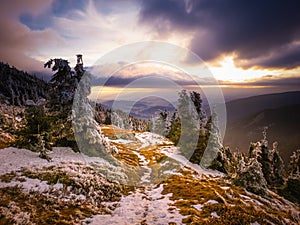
(250, 47)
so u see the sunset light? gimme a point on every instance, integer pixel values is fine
(150, 112)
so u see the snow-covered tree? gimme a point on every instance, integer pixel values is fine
(160, 124)
(271, 161)
(294, 165)
(175, 127)
(87, 131)
(251, 177)
(291, 189)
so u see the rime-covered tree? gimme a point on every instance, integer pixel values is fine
(189, 121)
(215, 155)
(271, 161)
(251, 177)
(294, 165)
(175, 127)
(190, 128)
(62, 88)
(88, 133)
(63, 84)
(291, 189)
(160, 123)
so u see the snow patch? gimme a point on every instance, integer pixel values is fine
(148, 206)
(214, 214)
(13, 159)
(173, 153)
(145, 179)
(225, 188)
(150, 139)
(200, 206)
(121, 141)
(255, 223)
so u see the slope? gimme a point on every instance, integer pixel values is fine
(72, 190)
(17, 86)
(283, 126)
(241, 108)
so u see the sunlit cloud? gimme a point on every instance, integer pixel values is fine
(94, 34)
(34, 31)
(228, 71)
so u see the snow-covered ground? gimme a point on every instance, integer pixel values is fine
(173, 152)
(200, 206)
(151, 139)
(13, 159)
(141, 207)
(147, 202)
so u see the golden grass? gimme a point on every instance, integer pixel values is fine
(231, 208)
(8, 177)
(45, 210)
(234, 205)
(114, 133)
(128, 157)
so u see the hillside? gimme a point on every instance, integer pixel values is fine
(126, 175)
(283, 126)
(76, 189)
(17, 86)
(143, 109)
(244, 107)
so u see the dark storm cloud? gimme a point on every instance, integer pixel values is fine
(289, 58)
(250, 29)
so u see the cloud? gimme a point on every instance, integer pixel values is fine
(287, 56)
(34, 31)
(269, 80)
(19, 44)
(148, 75)
(248, 29)
(99, 27)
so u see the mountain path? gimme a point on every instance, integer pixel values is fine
(146, 204)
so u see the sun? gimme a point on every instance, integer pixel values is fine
(228, 71)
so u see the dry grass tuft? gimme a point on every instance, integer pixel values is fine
(228, 205)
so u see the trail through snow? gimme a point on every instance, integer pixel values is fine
(158, 159)
(147, 206)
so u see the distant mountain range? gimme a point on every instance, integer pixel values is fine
(279, 112)
(241, 108)
(142, 109)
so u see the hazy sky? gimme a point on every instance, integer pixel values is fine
(246, 42)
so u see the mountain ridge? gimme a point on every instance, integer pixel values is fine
(282, 122)
(242, 107)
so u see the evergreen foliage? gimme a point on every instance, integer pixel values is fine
(16, 87)
(37, 122)
(193, 132)
(251, 177)
(291, 190)
(48, 116)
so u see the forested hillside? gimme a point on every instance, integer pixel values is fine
(17, 86)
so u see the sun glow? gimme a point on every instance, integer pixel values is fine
(228, 71)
